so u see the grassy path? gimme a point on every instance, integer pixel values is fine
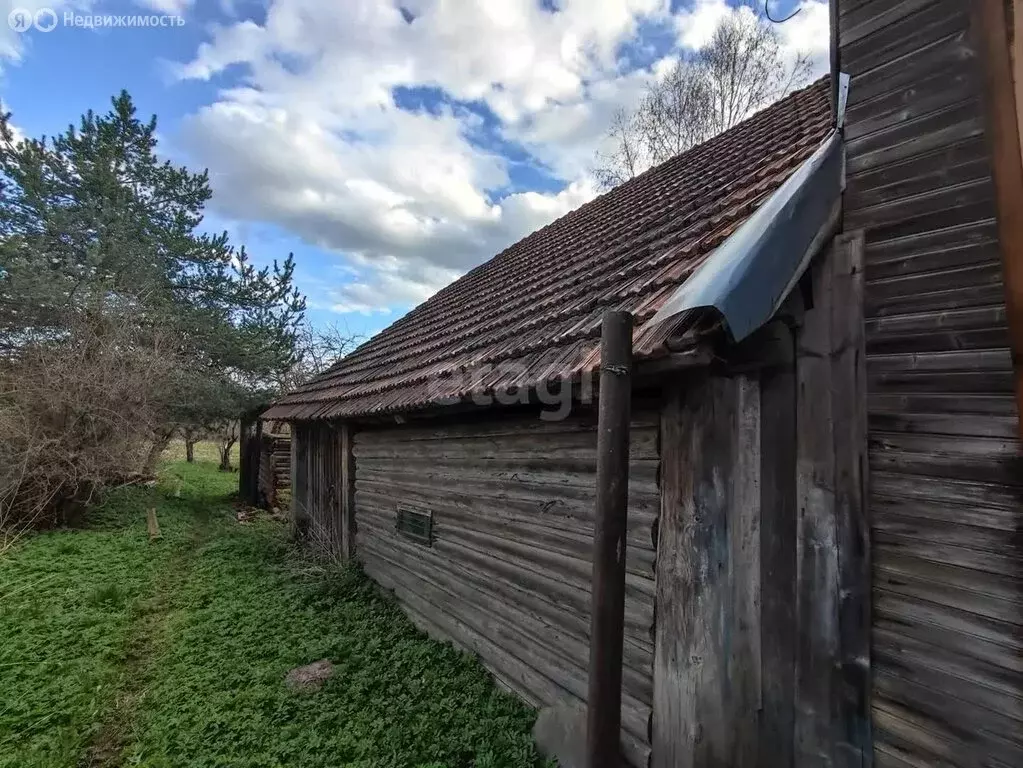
(147, 637)
(118, 651)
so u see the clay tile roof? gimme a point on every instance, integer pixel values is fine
(532, 313)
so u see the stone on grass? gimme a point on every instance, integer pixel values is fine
(311, 677)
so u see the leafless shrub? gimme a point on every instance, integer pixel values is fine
(78, 414)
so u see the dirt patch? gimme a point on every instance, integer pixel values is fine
(311, 677)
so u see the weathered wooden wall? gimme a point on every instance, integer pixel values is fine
(508, 574)
(945, 467)
(761, 651)
(274, 470)
(317, 483)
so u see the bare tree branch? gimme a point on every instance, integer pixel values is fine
(743, 69)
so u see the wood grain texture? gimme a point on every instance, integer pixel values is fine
(992, 31)
(945, 504)
(708, 653)
(849, 401)
(778, 560)
(817, 566)
(508, 575)
(347, 485)
(745, 657)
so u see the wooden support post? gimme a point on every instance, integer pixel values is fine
(849, 411)
(299, 478)
(707, 649)
(832, 719)
(347, 490)
(777, 552)
(607, 612)
(816, 537)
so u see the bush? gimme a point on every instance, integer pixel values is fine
(78, 412)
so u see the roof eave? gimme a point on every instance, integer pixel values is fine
(749, 275)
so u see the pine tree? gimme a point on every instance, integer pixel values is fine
(93, 223)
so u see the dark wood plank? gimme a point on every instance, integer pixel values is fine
(745, 662)
(707, 663)
(778, 562)
(817, 567)
(347, 491)
(848, 393)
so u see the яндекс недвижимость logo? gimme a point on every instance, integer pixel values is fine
(22, 19)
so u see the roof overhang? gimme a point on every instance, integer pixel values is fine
(749, 275)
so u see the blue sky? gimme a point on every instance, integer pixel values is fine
(391, 146)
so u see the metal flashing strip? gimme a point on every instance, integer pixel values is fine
(843, 99)
(749, 275)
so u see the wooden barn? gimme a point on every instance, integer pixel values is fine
(823, 560)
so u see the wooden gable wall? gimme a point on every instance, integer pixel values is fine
(945, 467)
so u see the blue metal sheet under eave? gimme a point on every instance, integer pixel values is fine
(749, 275)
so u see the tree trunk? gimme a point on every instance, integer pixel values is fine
(189, 451)
(225, 455)
(160, 441)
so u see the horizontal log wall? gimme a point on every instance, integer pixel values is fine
(945, 469)
(274, 469)
(508, 573)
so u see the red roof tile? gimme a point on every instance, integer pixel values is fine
(532, 313)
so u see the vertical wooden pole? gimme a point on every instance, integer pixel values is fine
(347, 492)
(255, 452)
(777, 555)
(744, 652)
(296, 478)
(603, 732)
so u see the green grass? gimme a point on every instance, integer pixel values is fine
(204, 451)
(115, 650)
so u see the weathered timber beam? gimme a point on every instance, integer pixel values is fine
(347, 492)
(708, 667)
(698, 357)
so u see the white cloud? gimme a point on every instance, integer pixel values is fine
(696, 25)
(13, 44)
(805, 32)
(809, 32)
(170, 7)
(307, 133)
